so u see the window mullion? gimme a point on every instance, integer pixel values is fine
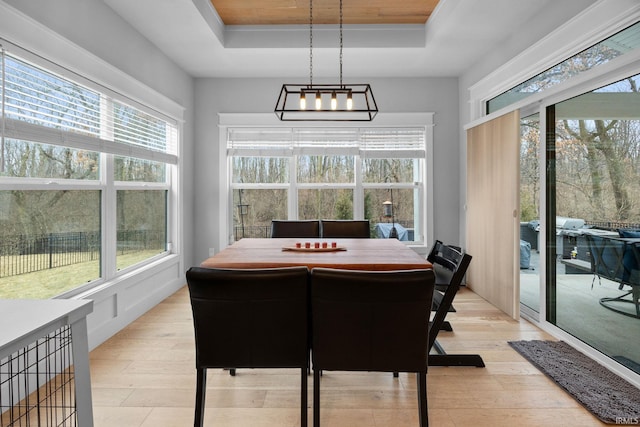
(108, 220)
(358, 192)
(292, 198)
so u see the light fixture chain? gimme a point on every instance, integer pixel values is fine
(359, 104)
(341, 43)
(310, 42)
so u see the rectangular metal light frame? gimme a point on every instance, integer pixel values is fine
(364, 104)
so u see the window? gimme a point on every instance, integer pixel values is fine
(598, 54)
(84, 180)
(325, 173)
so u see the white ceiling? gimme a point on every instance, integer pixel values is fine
(457, 35)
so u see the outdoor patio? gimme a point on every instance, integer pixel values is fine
(580, 313)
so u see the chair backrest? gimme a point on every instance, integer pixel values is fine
(354, 229)
(449, 262)
(449, 265)
(292, 228)
(609, 258)
(250, 318)
(370, 320)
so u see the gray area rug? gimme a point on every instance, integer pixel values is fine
(606, 395)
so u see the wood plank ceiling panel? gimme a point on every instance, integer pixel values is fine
(291, 12)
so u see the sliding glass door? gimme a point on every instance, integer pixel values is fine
(593, 194)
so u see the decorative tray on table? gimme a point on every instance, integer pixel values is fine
(312, 248)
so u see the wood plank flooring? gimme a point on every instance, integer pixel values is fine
(144, 376)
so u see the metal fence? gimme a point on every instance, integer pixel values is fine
(613, 225)
(26, 254)
(254, 231)
(23, 254)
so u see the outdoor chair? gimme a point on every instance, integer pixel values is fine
(353, 229)
(295, 229)
(371, 321)
(617, 260)
(250, 319)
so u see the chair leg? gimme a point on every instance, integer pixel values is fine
(422, 399)
(316, 398)
(201, 387)
(303, 397)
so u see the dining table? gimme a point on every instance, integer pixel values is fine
(349, 254)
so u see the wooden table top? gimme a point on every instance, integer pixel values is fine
(359, 254)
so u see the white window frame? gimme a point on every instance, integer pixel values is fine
(387, 120)
(167, 111)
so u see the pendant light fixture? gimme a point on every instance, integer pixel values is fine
(325, 102)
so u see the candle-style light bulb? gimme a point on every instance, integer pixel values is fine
(318, 101)
(303, 101)
(334, 100)
(349, 100)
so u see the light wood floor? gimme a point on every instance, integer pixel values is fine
(145, 376)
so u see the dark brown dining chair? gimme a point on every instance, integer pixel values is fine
(295, 228)
(250, 319)
(371, 321)
(346, 229)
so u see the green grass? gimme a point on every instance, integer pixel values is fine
(51, 282)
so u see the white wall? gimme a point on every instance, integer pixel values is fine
(213, 96)
(82, 35)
